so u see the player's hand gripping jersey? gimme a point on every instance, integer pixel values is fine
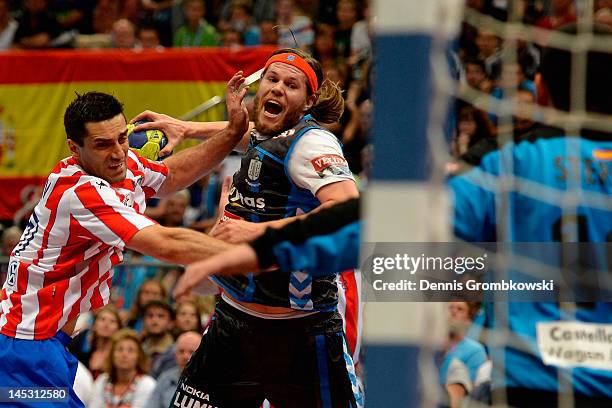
(63, 264)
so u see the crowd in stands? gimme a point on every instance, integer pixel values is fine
(486, 66)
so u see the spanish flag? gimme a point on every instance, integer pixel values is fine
(37, 86)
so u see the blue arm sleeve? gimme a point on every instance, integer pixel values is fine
(323, 254)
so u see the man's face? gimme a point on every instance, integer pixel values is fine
(186, 345)
(104, 150)
(148, 38)
(487, 43)
(459, 312)
(157, 321)
(149, 291)
(175, 209)
(474, 75)
(194, 12)
(282, 99)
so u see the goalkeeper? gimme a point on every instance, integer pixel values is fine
(519, 367)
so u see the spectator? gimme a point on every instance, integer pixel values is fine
(231, 38)
(148, 36)
(241, 20)
(151, 289)
(604, 16)
(10, 239)
(476, 75)
(186, 344)
(91, 347)
(360, 36)
(196, 32)
(267, 33)
(157, 327)
(105, 14)
(125, 383)
(475, 134)
(160, 11)
(346, 13)
(187, 318)
(489, 51)
(325, 46)
(170, 212)
(124, 35)
(563, 12)
(8, 26)
(464, 356)
(37, 26)
(290, 21)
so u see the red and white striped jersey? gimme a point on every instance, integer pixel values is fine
(351, 309)
(63, 263)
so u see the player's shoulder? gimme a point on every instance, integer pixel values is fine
(68, 175)
(319, 138)
(138, 164)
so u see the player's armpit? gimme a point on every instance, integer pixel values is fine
(177, 245)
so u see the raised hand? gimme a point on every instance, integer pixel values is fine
(237, 112)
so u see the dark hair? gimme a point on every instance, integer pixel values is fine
(329, 105)
(89, 107)
(160, 304)
(484, 127)
(476, 61)
(137, 310)
(556, 73)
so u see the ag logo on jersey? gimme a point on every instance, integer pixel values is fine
(254, 169)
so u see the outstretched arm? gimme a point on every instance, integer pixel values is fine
(322, 244)
(191, 164)
(176, 245)
(238, 231)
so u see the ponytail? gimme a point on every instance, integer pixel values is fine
(330, 103)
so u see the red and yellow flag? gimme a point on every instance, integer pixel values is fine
(37, 86)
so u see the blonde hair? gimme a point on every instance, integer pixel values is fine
(329, 105)
(142, 365)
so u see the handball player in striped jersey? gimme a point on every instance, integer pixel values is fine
(90, 211)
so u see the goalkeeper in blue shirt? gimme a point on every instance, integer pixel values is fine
(549, 354)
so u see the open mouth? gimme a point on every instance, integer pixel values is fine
(272, 108)
(116, 166)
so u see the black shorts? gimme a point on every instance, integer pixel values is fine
(292, 363)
